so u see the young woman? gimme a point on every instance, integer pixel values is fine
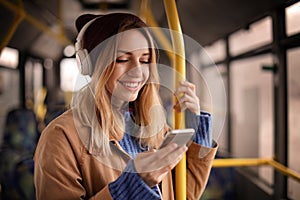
(107, 145)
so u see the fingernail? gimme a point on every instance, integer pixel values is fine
(174, 145)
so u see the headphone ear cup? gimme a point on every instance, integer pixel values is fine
(84, 62)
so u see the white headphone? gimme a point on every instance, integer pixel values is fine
(82, 56)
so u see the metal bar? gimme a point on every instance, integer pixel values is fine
(146, 12)
(240, 162)
(166, 45)
(228, 81)
(179, 62)
(280, 103)
(284, 170)
(22, 83)
(247, 162)
(19, 16)
(39, 25)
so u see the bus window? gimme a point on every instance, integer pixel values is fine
(293, 119)
(293, 19)
(71, 79)
(252, 112)
(259, 34)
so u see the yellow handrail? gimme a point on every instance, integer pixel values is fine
(243, 162)
(39, 25)
(179, 66)
(19, 16)
(239, 162)
(146, 12)
(281, 168)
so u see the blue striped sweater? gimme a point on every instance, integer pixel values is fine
(130, 186)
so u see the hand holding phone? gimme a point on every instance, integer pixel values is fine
(179, 136)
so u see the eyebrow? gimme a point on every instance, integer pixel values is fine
(129, 53)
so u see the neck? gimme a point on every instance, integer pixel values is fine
(119, 104)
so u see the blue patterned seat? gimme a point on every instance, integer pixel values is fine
(16, 155)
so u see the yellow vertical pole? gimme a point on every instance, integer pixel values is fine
(162, 39)
(179, 62)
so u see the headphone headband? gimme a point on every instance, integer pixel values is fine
(78, 44)
(82, 56)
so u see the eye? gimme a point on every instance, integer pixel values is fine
(122, 59)
(145, 61)
(118, 60)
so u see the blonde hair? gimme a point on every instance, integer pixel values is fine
(147, 113)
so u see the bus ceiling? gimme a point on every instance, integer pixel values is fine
(44, 28)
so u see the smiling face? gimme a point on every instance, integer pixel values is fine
(131, 70)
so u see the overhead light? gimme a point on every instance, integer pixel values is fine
(9, 57)
(69, 51)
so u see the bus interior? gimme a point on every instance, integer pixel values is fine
(253, 44)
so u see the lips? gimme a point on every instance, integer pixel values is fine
(131, 85)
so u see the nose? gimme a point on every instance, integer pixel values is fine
(135, 69)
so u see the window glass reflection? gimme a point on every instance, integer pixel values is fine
(293, 119)
(293, 19)
(258, 34)
(252, 111)
(216, 51)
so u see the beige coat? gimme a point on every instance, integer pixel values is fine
(64, 169)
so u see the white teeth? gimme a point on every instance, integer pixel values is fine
(130, 85)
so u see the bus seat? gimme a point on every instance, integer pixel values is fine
(16, 155)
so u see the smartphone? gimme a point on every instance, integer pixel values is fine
(179, 136)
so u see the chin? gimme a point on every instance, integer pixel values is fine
(132, 98)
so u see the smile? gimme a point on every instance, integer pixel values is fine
(130, 85)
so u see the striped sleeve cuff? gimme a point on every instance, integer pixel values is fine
(202, 124)
(131, 186)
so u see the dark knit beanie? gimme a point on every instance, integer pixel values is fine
(105, 26)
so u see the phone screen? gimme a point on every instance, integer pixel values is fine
(179, 136)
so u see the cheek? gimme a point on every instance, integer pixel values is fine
(146, 73)
(113, 80)
(110, 85)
